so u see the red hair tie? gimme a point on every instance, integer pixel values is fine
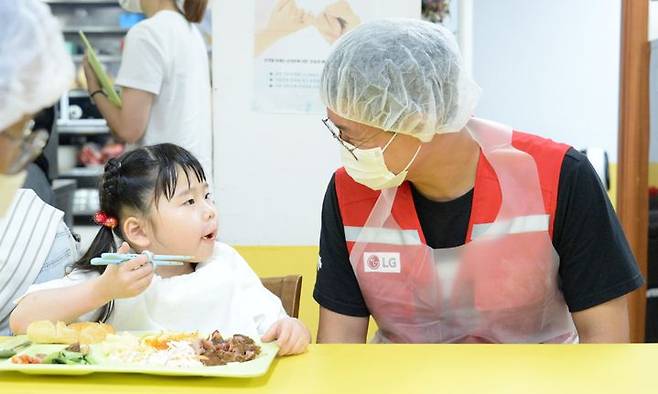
(103, 219)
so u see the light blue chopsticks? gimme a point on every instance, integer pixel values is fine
(155, 259)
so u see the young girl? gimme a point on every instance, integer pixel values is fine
(156, 198)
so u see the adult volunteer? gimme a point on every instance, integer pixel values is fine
(165, 79)
(35, 70)
(449, 228)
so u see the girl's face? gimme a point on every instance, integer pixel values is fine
(186, 224)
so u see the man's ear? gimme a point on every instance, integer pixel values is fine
(135, 230)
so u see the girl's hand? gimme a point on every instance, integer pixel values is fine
(90, 75)
(127, 279)
(290, 334)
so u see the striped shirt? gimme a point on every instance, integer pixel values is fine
(27, 232)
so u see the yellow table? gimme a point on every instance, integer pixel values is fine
(358, 369)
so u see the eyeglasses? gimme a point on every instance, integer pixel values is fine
(30, 145)
(335, 132)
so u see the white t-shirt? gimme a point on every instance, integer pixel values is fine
(222, 294)
(166, 55)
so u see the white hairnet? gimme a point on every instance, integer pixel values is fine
(35, 68)
(401, 75)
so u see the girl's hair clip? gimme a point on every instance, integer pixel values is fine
(103, 219)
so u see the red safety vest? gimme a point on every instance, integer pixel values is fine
(356, 202)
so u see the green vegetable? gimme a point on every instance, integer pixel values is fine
(67, 357)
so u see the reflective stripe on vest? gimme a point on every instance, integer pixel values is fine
(382, 235)
(517, 225)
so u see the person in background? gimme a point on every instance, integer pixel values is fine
(165, 79)
(35, 70)
(38, 178)
(449, 228)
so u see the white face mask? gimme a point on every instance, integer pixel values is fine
(370, 170)
(8, 186)
(131, 5)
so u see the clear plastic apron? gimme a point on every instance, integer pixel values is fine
(501, 287)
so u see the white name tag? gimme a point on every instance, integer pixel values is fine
(381, 262)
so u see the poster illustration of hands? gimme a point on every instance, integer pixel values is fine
(292, 40)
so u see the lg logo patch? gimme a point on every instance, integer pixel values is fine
(381, 262)
(373, 262)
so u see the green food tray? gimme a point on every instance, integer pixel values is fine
(248, 369)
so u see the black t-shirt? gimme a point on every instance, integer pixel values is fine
(596, 263)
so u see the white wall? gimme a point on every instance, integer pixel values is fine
(271, 170)
(550, 67)
(653, 20)
(653, 85)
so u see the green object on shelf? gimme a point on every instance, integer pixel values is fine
(102, 76)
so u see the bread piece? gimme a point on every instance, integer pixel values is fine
(42, 331)
(90, 332)
(65, 334)
(45, 331)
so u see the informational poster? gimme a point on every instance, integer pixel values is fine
(292, 40)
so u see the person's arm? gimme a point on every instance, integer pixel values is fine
(604, 323)
(68, 303)
(344, 315)
(337, 328)
(65, 304)
(597, 268)
(128, 122)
